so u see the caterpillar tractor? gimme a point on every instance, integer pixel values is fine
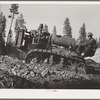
(53, 49)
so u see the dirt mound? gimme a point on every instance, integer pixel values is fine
(16, 73)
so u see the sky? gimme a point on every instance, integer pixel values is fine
(55, 15)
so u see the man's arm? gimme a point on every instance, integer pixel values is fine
(89, 42)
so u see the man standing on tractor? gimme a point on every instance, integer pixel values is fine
(40, 32)
(90, 46)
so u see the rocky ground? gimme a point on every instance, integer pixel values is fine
(16, 73)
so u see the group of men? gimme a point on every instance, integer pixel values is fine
(85, 49)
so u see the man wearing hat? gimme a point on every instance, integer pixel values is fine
(90, 46)
(45, 35)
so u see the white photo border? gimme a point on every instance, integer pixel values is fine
(50, 93)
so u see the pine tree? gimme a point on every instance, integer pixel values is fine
(13, 11)
(82, 32)
(54, 30)
(17, 24)
(67, 30)
(2, 32)
(20, 22)
(99, 39)
(99, 42)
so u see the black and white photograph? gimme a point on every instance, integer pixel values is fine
(49, 46)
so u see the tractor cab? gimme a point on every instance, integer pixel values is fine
(23, 39)
(26, 41)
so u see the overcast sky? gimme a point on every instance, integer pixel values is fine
(55, 14)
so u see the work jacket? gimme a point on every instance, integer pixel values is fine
(91, 43)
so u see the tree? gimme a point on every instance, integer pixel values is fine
(82, 32)
(20, 22)
(99, 39)
(54, 30)
(45, 28)
(67, 30)
(99, 42)
(2, 32)
(13, 11)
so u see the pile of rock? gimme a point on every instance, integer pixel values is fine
(42, 75)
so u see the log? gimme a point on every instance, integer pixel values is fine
(63, 41)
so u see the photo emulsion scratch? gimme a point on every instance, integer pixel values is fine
(45, 46)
